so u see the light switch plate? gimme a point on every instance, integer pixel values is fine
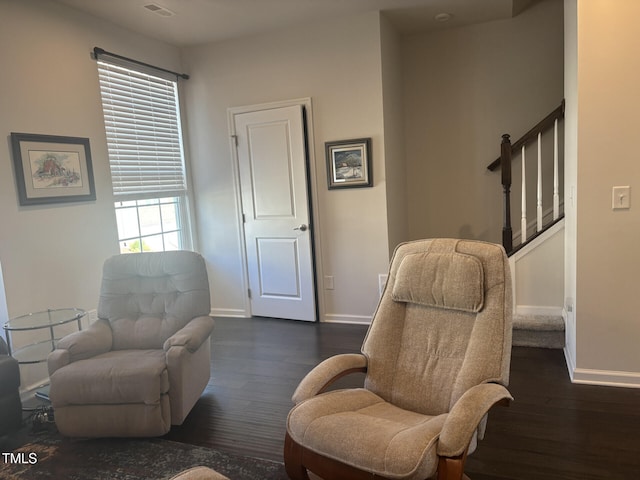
(621, 198)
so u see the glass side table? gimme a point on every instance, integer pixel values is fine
(37, 352)
(48, 319)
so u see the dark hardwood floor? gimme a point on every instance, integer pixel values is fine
(553, 430)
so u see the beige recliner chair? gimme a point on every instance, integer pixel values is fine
(144, 363)
(436, 358)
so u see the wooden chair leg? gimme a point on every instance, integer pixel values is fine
(293, 460)
(452, 468)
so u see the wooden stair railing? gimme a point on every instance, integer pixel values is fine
(507, 150)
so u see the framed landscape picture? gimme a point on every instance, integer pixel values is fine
(349, 163)
(52, 169)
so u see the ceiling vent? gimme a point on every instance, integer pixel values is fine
(158, 10)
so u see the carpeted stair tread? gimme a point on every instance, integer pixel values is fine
(538, 322)
(541, 331)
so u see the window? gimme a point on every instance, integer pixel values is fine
(144, 138)
(149, 225)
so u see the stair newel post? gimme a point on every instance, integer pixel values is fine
(505, 164)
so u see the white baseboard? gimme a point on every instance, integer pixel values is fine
(538, 310)
(571, 363)
(328, 318)
(229, 312)
(609, 378)
(343, 318)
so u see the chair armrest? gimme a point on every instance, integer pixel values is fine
(465, 416)
(192, 335)
(327, 372)
(88, 343)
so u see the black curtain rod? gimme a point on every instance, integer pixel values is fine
(97, 51)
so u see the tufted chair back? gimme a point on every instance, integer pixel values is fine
(442, 326)
(147, 297)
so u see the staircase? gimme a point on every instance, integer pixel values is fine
(536, 250)
(537, 271)
(542, 331)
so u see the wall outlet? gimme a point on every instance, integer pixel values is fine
(92, 316)
(328, 282)
(382, 281)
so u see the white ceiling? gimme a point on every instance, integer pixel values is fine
(202, 21)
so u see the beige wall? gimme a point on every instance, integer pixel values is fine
(464, 88)
(394, 155)
(538, 272)
(338, 65)
(52, 255)
(352, 70)
(607, 253)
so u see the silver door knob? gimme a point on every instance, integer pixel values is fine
(302, 228)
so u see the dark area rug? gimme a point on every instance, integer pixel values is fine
(48, 455)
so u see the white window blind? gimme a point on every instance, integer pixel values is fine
(144, 138)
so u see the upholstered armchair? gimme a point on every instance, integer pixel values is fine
(144, 363)
(436, 357)
(10, 404)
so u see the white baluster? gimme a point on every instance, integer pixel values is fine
(556, 191)
(523, 207)
(539, 202)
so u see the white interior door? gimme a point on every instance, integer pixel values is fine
(273, 178)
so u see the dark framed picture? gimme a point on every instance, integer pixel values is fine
(349, 163)
(52, 169)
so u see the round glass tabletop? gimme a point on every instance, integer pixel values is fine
(46, 318)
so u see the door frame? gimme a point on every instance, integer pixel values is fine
(312, 183)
